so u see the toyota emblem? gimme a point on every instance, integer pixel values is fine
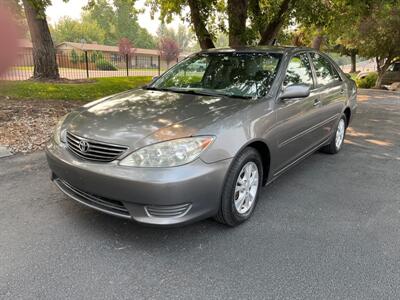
(84, 146)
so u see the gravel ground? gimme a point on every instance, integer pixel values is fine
(25, 126)
(327, 229)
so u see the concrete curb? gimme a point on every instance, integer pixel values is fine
(4, 152)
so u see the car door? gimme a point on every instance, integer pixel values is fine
(296, 118)
(331, 90)
(396, 72)
(392, 74)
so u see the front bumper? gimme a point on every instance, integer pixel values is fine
(157, 196)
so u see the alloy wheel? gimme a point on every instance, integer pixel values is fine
(246, 188)
(340, 134)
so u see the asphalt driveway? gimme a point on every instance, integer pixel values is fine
(328, 228)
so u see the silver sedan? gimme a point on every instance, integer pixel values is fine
(200, 142)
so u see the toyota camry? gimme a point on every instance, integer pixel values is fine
(200, 142)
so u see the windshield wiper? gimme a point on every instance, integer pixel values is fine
(236, 96)
(152, 88)
(198, 92)
(189, 91)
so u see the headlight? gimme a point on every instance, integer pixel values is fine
(168, 154)
(60, 135)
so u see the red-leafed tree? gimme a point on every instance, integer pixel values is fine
(169, 49)
(125, 47)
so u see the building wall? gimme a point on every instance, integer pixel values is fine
(24, 57)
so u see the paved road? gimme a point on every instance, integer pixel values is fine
(329, 228)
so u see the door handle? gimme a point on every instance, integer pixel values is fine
(316, 102)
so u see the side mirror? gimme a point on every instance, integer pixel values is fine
(295, 91)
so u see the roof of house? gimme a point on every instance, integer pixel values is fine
(106, 48)
(25, 43)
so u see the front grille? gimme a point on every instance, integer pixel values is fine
(93, 150)
(167, 211)
(110, 206)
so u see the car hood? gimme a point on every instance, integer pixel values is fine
(132, 117)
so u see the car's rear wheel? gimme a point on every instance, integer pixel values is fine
(337, 140)
(241, 189)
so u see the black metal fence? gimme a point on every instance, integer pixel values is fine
(92, 64)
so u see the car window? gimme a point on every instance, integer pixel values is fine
(298, 71)
(396, 67)
(324, 70)
(230, 74)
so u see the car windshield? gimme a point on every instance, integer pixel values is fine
(243, 75)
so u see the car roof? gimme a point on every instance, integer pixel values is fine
(257, 49)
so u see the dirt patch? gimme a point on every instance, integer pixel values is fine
(26, 126)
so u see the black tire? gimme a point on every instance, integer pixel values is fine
(331, 148)
(228, 213)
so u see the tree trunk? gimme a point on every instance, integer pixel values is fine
(269, 34)
(353, 62)
(44, 54)
(237, 16)
(200, 29)
(317, 42)
(378, 82)
(382, 70)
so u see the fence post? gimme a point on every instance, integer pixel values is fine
(159, 65)
(87, 64)
(127, 64)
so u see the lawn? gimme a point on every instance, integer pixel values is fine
(97, 88)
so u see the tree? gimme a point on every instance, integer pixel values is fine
(370, 28)
(201, 16)
(379, 36)
(74, 57)
(67, 29)
(125, 47)
(118, 19)
(44, 54)
(169, 50)
(182, 36)
(102, 13)
(237, 16)
(199, 13)
(96, 56)
(268, 18)
(248, 20)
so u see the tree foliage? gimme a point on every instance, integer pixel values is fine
(182, 36)
(125, 47)
(68, 29)
(244, 21)
(169, 49)
(118, 19)
(370, 28)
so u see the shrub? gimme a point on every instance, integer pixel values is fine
(74, 57)
(105, 65)
(368, 81)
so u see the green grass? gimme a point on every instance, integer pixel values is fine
(101, 87)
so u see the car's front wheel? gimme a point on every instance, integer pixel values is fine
(337, 140)
(241, 189)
